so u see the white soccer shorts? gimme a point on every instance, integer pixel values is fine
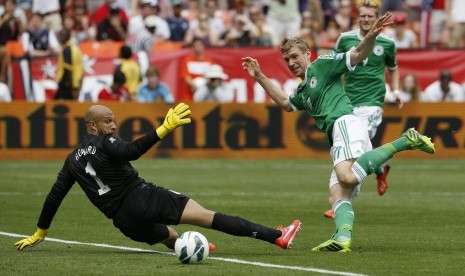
(371, 116)
(350, 141)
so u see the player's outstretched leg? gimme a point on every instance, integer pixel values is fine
(416, 141)
(344, 220)
(410, 140)
(288, 234)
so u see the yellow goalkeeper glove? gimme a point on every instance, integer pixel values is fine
(174, 118)
(36, 238)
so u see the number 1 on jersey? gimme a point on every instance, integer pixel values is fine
(103, 188)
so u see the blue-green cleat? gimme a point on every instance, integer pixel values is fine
(334, 246)
(417, 141)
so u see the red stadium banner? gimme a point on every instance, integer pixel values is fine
(34, 79)
(49, 131)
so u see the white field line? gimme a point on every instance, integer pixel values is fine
(237, 261)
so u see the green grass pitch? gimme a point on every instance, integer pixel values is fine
(416, 228)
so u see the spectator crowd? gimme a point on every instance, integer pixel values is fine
(138, 24)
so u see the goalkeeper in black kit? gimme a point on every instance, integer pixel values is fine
(141, 210)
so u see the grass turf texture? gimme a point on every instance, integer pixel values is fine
(416, 228)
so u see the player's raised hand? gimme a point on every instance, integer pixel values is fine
(36, 238)
(251, 66)
(174, 118)
(381, 23)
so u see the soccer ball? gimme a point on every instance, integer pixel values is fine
(191, 247)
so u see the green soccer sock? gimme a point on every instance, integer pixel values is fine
(379, 170)
(372, 160)
(344, 220)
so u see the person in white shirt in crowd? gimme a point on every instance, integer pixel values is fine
(403, 37)
(215, 88)
(444, 89)
(148, 12)
(284, 18)
(38, 40)
(5, 95)
(215, 17)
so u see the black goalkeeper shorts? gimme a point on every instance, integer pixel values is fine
(147, 210)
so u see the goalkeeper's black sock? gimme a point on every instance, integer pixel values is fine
(238, 226)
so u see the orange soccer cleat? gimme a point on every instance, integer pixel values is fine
(382, 184)
(288, 234)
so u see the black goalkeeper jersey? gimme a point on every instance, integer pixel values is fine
(100, 165)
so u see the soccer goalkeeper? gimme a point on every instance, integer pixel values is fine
(140, 210)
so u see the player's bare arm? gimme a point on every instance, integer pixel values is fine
(394, 80)
(365, 47)
(279, 96)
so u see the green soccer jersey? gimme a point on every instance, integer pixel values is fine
(321, 93)
(366, 86)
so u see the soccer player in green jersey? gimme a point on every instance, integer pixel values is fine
(321, 94)
(366, 86)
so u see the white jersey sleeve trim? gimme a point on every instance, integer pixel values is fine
(294, 108)
(349, 66)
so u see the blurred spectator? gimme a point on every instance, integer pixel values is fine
(284, 18)
(19, 11)
(141, 37)
(309, 32)
(409, 90)
(215, 17)
(70, 67)
(443, 89)
(242, 33)
(456, 22)
(264, 32)
(116, 91)
(178, 25)
(344, 16)
(403, 37)
(203, 31)
(329, 10)
(235, 7)
(215, 89)
(433, 24)
(314, 7)
(150, 10)
(328, 37)
(37, 40)
(77, 20)
(50, 11)
(391, 5)
(192, 69)
(413, 9)
(141, 40)
(112, 27)
(5, 95)
(103, 12)
(154, 90)
(130, 69)
(10, 29)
